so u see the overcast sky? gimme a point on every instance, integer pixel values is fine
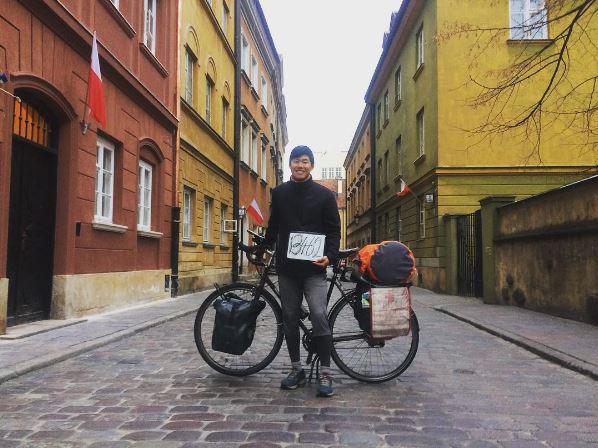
(330, 49)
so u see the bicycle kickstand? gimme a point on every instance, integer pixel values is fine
(314, 363)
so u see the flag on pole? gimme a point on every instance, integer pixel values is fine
(95, 91)
(254, 211)
(405, 190)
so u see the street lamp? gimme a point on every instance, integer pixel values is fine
(242, 213)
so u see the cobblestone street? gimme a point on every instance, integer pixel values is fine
(466, 388)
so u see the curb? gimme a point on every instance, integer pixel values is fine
(550, 354)
(24, 367)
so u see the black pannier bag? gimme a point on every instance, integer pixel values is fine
(234, 325)
(361, 308)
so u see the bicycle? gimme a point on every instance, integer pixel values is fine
(355, 352)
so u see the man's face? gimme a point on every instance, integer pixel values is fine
(301, 167)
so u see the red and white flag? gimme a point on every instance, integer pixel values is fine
(95, 91)
(405, 190)
(254, 211)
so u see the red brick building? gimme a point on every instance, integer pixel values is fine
(85, 219)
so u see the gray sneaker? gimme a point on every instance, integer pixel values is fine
(293, 380)
(325, 387)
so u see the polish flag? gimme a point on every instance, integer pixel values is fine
(405, 190)
(254, 211)
(95, 91)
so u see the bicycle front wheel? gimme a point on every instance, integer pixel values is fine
(360, 357)
(266, 340)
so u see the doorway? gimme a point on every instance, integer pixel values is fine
(32, 215)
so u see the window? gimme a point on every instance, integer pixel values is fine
(399, 155)
(209, 89)
(386, 107)
(254, 151)
(264, 93)
(225, 13)
(324, 173)
(420, 133)
(380, 174)
(379, 118)
(264, 162)
(207, 218)
(224, 117)
(421, 219)
(104, 180)
(223, 234)
(254, 72)
(244, 54)
(189, 69)
(398, 85)
(398, 224)
(144, 202)
(339, 174)
(149, 30)
(419, 43)
(245, 142)
(528, 19)
(386, 169)
(187, 213)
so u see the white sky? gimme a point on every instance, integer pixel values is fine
(330, 49)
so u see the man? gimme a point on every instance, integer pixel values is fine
(301, 205)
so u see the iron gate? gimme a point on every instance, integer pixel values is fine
(469, 254)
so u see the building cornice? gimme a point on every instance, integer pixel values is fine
(361, 127)
(188, 147)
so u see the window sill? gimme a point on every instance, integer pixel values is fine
(419, 160)
(264, 182)
(149, 234)
(418, 72)
(153, 59)
(385, 124)
(254, 93)
(264, 111)
(109, 227)
(245, 166)
(254, 173)
(208, 245)
(189, 243)
(119, 18)
(398, 178)
(398, 104)
(379, 133)
(224, 247)
(245, 77)
(530, 41)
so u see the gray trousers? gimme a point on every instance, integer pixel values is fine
(292, 290)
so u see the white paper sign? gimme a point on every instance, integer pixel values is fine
(391, 312)
(306, 246)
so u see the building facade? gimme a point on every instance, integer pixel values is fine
(206, 156)
(418, 94)
(338, 187)
(359, 195)
(86, 222)
(263, 116)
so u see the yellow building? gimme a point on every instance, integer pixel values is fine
(420, 94)
(206, 155)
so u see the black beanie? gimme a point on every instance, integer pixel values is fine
(299, 151)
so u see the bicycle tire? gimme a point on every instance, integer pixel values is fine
(348, 330)
(268, 333)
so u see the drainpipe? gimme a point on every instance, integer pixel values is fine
(174, 251)
(373, 167)
(236, 169)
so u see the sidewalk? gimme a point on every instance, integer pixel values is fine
(19, 356)
(566, 342)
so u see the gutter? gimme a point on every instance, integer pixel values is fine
(237, 143)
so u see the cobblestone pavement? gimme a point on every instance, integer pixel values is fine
(466, 388)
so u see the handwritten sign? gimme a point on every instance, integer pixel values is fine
(306, 246)
(391, 312)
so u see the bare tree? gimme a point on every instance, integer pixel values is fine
(543, 65)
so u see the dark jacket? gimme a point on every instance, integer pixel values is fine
(303, 207)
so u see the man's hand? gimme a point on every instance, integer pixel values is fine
(322, 262)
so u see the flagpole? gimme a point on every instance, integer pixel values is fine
(84, 123)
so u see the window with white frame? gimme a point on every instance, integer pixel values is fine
(528, 19)
(339, 174)
(324, 173)
(254, 151)
(244, 54)
(207, 218)
(419, 44)
(209, 90)
(264, 171)
(225, 13)
(149, 29)
(187, 213)
(421, 133)
(421, 219)
(254, 72)
(189, 70)
(144, 202)
(398, 85)
(264, 96)
(386, 106)
(223, 233)
(245, 142)
(225, 108)
(104, 180)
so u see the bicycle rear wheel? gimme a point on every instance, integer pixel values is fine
(266, 340)
(362, 358)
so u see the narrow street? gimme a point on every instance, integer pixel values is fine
(466, 388)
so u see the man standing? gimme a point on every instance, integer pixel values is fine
(308, 210)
